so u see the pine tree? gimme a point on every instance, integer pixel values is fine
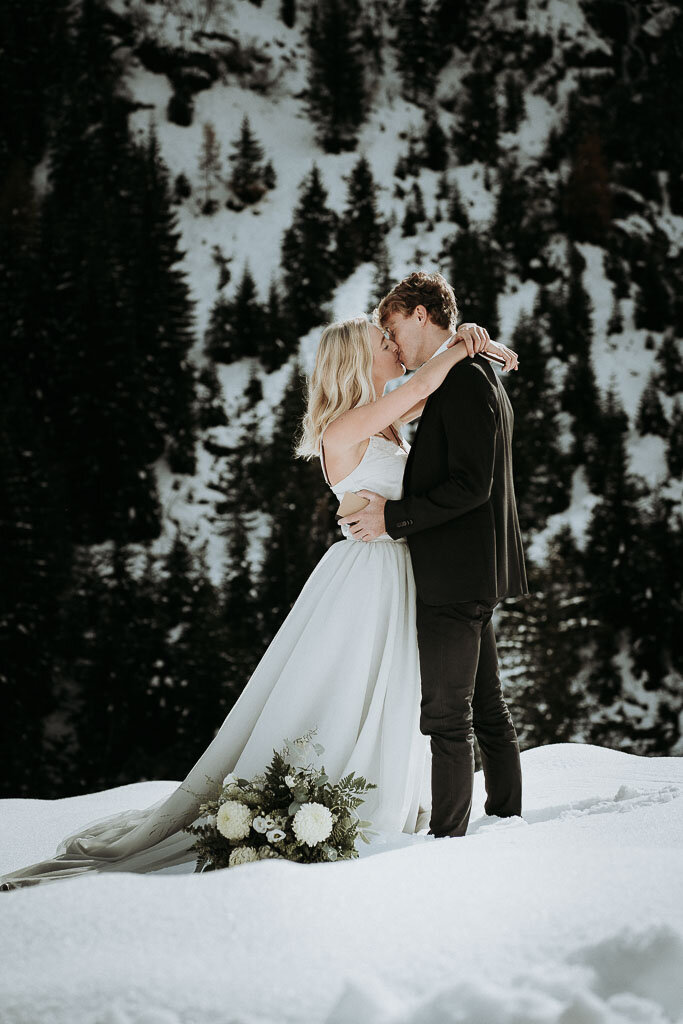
(615, 324)
(247, 179)
(455, 25)
(383, 279)
(542, 474)
(269, 176)
(587, 199)
(102, 384)
(240, 611)
(435, 144)
(476, 137)
(413, 158)
(35, 549)
(182, 188)
(650, 418)
(580, 322)
(35, 46)
(118, 304)
(123, 727)
(669, 377)
(288, 12)
(35, 567)
(674, 449)
(253, 392)
(651, 636)
(549, 700)
(247, 316)
(580, 397)
(617, 272)
(415, 213)
(514, 103)
(511, 202)
(244, 480)
(614, 531)
(443, 189)
(474, 263)
(457, 212)
(222, 262)
(336, 96)
(200, 652)
(653, 306)
(161, 289)
(211, 408)
(308, 257)
(603, 683)
(655, 631)
(277, 342)
(417, 50)
(571, 312)
(209, 166)
(235, 327)
(401, 167)
(360, 229)
(302, 508)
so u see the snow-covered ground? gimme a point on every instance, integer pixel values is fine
(572, 914)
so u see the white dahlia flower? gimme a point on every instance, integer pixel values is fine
(242, 855)
(260, 824)
(312, 823)
(275, 835)
(233, 819)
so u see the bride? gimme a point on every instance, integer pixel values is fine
(345, 660)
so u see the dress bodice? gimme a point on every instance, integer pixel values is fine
(381, 470)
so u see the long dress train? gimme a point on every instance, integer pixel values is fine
(345, 660)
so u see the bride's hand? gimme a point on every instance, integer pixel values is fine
(509, 354)
(474, 344)
(475, 338)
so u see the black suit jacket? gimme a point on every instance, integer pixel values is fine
(458, 510)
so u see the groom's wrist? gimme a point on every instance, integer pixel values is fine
(395, 520)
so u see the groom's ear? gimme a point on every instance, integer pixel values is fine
(421, 315)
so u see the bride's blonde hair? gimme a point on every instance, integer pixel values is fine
(341, 380)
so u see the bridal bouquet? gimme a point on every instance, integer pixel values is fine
(290, 811)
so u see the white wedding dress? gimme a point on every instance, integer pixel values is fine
(344, 661)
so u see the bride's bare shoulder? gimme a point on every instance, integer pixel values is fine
(341, 458)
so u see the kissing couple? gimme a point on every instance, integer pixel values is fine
(389, 651)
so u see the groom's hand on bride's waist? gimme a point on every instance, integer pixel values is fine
(367, 524)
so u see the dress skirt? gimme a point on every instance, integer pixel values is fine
(344, 662)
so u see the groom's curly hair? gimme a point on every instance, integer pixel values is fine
(420, 289)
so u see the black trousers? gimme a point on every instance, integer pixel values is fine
(462, 697)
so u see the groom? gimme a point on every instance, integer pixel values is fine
(459, 515)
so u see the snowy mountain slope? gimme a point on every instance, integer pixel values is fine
(572, 914)
(252, 237)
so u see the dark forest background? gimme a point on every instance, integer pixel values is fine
(118, 663)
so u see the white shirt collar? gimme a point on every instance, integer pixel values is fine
(443, 347)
